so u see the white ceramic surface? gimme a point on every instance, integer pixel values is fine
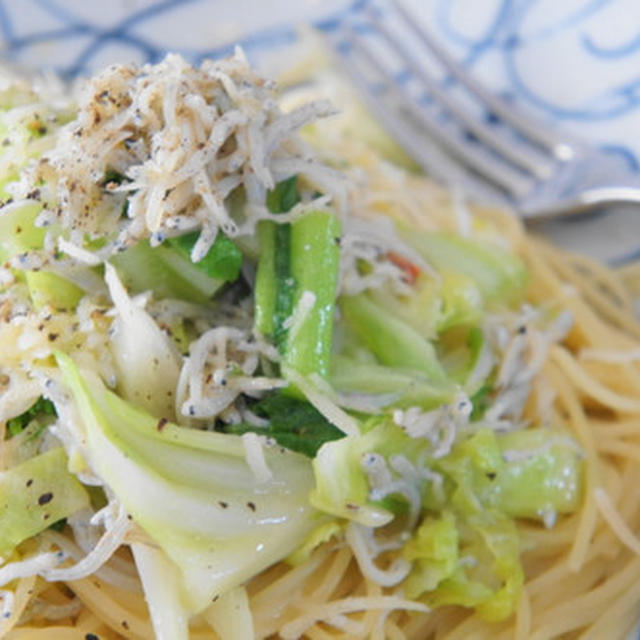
(575, 63)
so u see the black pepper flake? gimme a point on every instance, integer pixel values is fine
(29, 482)
(522, 330)
(45, 498)
(251, 506)
(46, 516)
(491, 475)
(91, 636)
(161, 424)
(125, 624)
(223, 504)
(53, 337)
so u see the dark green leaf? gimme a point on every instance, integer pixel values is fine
(480, 400)
(286, 284)
(41, 407)
(396, 503)
(284, 196)
(59, 525)
(293, 423)
(475, 342)
(222, 262)
(113, 176)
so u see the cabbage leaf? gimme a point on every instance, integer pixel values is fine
(193, 491)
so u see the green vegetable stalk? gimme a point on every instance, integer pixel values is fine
(298, 259)
(314, 266)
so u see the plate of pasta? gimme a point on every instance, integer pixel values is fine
(262, 378)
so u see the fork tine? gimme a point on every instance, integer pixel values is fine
(502, 175)
(424, 151)
(537, 133)
(524, 157)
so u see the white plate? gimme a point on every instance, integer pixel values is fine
(575, 62)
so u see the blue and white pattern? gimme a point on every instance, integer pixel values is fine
(574, 62)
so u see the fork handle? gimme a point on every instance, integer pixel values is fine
(584, 202)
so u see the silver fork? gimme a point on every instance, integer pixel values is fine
(460, 132)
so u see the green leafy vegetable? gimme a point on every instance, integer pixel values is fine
(59, 525)
(435, 305)
(471, 515)
(165, 272)
(342, 487)
(35, 494)
(19, 234)
(111, 176)
(434, 552)
(293, 423)
(318, 536)
(394, 342)
(480, 401)
(41, 408)
(542, 472)
(193, 492)
(499, 274)
(403, 387)
(490, 583)
(462, 352)
(284, 196)
(50, 289)
(222, 261)
(543, 475)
